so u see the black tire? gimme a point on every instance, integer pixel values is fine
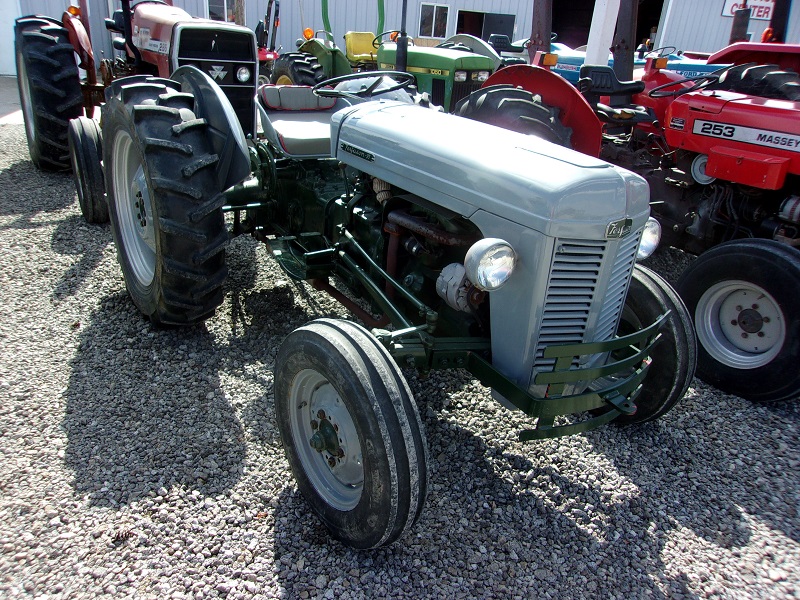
(766, 275)
(675, 354)
(332, 371)
(765, 81)
(86, 154)
(516, 109)
(49, 89)
(158, 158)
(296, 68)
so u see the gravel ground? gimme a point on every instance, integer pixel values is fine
(137, 462)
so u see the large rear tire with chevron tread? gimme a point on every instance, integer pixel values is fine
(516, 109)
(49, 89)
(297, 68)
(164, 202)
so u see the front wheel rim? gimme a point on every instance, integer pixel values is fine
(134, 210)
(740, 324)
(326, 440)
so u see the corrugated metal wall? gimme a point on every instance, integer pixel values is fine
(362, 15)
(699, 25)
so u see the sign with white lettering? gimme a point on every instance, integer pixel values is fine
(760, 10)
(749, 135)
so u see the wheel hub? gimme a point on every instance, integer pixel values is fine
(139, 211)
(327, 440)
(750, 320)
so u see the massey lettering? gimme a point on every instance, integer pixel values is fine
(357, 152)
(777, 140)
(748, 135)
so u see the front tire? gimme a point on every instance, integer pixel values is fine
(49, 89)
(297, 68)
(352, 433)
(86, 154)
(674, 355)
(163, 200)
(743, 296)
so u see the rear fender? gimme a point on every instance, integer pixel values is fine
(227, 137)
(587, 131)
(82, 44)
(334, 62)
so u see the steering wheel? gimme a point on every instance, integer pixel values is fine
(663, 51)
(377, 40)
(701, 81)
(325, 89)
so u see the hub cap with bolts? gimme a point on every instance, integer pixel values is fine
(326, 440)
(134, 209)
(740, 324)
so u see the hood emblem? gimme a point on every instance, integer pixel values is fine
(618, 229)
(217, 72)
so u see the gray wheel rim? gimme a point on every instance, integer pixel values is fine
(134, 209)
(338, 477)
(740, 324)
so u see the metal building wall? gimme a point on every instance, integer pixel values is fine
(362, 15)
(699, 25)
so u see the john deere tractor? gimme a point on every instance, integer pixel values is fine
(444, 73)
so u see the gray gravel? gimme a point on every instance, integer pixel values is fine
(137, 462)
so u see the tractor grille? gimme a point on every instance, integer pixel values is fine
(462, 90)
(220, 53)
(575, 277)
(617, 288)
(571, 289)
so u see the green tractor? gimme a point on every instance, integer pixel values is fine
(446, 74)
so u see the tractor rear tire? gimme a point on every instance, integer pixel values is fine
(297, 68)
(675, 354)
(164, 201)
(765, 81)
(49, 89)
(516, 109)
(743, 297)
(86, 154)
(351, 431)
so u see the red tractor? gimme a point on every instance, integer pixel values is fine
(155, 38)
(721, 153)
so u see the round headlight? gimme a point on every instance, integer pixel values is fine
(489, 263)
(650, 238)
(243, 74)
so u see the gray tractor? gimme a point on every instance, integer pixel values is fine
(518, 265)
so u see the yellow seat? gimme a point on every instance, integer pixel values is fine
(358, 46)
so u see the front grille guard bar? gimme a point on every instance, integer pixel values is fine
(618, 380)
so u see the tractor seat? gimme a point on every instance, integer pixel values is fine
(598, 81)
(358, 46)
(297, 120)
(602, 81)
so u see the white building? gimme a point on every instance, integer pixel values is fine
(701, 25)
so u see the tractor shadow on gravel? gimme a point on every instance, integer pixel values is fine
(523, 519)
(145, 410)
(710, 477)
(75, 237)
(28, 192)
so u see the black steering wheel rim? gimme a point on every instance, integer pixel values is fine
(325, 89)
(701, 81)
(377, 40)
